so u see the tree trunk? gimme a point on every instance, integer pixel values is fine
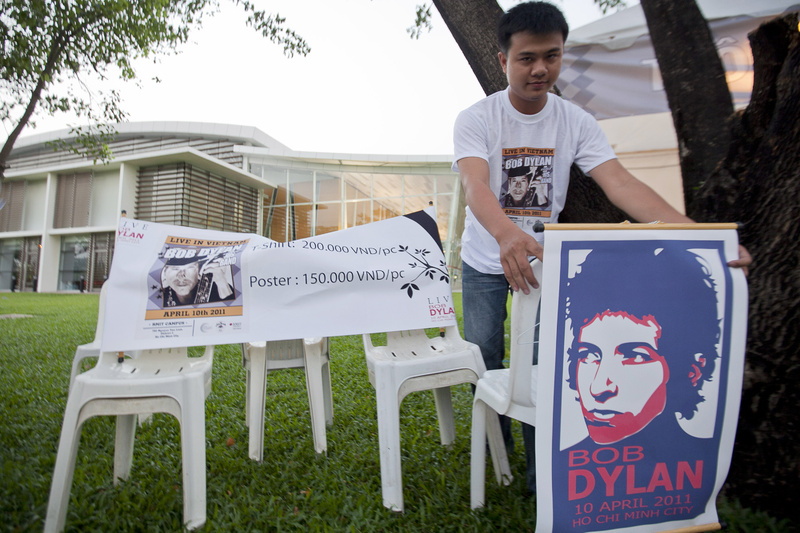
(54, 55)
(473, 24)
(757, 184)
(694, 80)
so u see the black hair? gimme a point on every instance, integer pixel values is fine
(537, 18)
(669, 283)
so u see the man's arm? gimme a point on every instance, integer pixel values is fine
(515, 245)
(638, 200)
(643, 203)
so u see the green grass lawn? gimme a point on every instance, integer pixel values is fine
(292, 489)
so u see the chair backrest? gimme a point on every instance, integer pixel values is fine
(175, 359)
(417, 340)
(101, 314)
(285, 350)
(524, 320)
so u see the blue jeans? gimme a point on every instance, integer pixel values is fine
(484, 299)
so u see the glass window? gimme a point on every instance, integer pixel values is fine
(446, 184)
(301, 223)
(10, 252)
(103, 250)
(301, 183)
(357, 189)
(274, 196)
(419, 185)
(275, 223)
(382, 211)
(416, 203)
(329, 188)
(442, 220)
(273, 175)
(74, 263)
(387, 185)
(30, 263)
(358, 213)
(328, 218)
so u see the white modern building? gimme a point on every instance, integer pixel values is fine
(62, 209)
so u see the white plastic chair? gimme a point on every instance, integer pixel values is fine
(409, 362)
(510, 391)
(259, 358)
(92, 349)
(157, 381)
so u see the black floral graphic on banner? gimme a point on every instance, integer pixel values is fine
(420, 262)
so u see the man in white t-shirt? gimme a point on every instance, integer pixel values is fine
(527, 126)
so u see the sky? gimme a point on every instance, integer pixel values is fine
(366, 87)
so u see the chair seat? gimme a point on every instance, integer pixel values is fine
(137, 375)
(494, 389)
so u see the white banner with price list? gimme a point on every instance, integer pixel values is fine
(173, 286)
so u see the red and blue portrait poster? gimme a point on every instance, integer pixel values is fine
(648, 331)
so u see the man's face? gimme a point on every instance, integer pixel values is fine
(181, 278)
(622, 380)
(517, 187)
(532, 66)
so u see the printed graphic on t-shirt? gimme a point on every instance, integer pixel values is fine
(527, 189)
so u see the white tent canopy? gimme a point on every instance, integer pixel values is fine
(610, 67)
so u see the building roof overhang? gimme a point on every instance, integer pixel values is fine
(187, 155)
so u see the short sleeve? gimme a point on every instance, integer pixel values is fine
(593, 148)
(470, 137)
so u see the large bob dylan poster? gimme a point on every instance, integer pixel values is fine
(173, 286)
(648, 331)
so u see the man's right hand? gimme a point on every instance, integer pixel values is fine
(517, 248)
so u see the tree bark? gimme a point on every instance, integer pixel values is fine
(473, 24)
(694, 80)
(56, 49)
(757, 184)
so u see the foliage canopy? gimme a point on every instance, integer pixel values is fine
(48, 43)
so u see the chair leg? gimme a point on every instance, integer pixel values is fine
(193, 452)
(327, 392)
(64, 469)
(315, 386)
(444, 410)
(389, 444)
(123, 446)
(246, 364)
(257, 402)
(497, 448)
(477, 483)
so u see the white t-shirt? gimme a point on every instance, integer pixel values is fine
(529, 154)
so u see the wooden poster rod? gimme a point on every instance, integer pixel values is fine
(696, 529)
(632, 226)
